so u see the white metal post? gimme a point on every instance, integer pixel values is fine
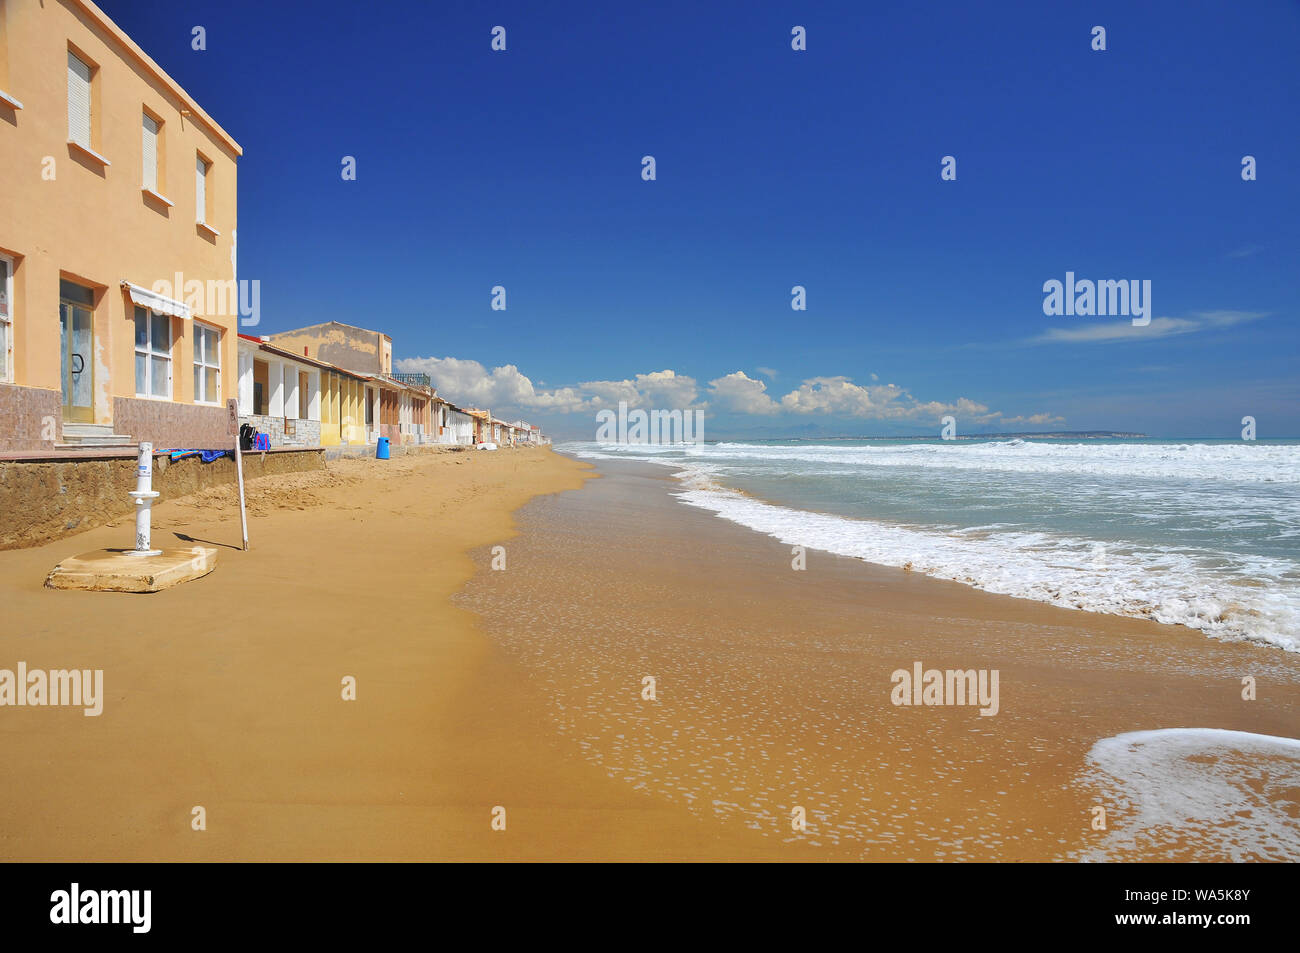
(239, 475)
(144, 495)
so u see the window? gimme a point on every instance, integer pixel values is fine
(6, 319)
(153, 354)
(201, 190)
(79, 73)
(304, 397)
(150, 152)
(261, 387)
(74, 293)
(207, 364)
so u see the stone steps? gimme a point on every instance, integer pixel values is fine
(93, 435)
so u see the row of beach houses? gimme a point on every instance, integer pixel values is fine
(333, 384)
(122, 315)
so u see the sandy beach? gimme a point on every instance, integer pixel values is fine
(523, 688)
(225, 693)
(774, 687)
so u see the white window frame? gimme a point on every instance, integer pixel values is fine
(7, 322)
(201, 169)
(90, 101)
(201, 363)
(145, 120)
(150, 353)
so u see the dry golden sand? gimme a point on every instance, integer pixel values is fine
(772, 686)
(226, 692)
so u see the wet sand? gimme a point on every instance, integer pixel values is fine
(523, 687)
(773, 686)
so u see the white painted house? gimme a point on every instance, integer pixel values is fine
(526, 433)
(279, 393)
(454, 426)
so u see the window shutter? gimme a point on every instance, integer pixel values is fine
(201, 191)
(78, 101)
(150, 154)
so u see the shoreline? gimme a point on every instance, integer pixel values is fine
(782, 684)
(522, 688)
(1109, 580)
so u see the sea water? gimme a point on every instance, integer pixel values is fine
(1202, 533)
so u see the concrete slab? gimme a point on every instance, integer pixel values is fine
(113, 570)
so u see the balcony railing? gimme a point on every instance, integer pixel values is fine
(415, 380)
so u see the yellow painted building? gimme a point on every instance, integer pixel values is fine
(343, 409)
(120, 304)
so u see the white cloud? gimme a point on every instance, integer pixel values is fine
(610, 393)
(505, 390)
(470, 384)
(1158, 328)
(766, 371)
(840, 396)
(663, 389)
(1039, 419)
(739, 393)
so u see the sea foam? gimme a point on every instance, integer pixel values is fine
(1201, 535)
(1226, 795)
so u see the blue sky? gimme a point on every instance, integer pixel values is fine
(776, 168)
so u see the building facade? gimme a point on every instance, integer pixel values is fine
(481, 423)
(343, 408)
(398, 407)
(280, 393)
(416, 399)
(343, 345)
(120, 307)
(455, 426)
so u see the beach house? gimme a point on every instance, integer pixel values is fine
(344, 408)
(457, 425)
(343, 345)
(481, 423)
(526, 434)
(371, 401)
(529, 435)
(438, 420)
(280, 393)
(415, 408)
(119, 304)
(402, 406)
(451, 425)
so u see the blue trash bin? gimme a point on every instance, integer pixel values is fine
(381, 449)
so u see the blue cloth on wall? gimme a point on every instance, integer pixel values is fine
(207, 456)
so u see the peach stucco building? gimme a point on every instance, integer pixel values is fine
(117, 240)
